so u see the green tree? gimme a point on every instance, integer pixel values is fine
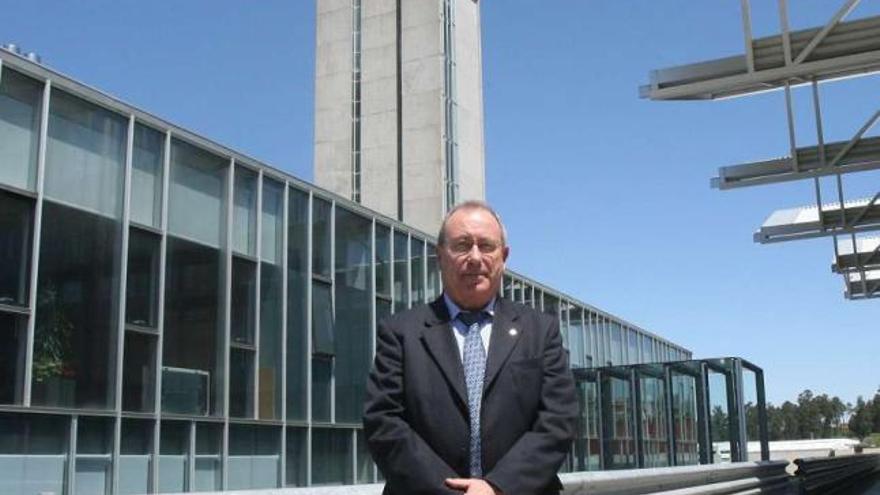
(862, 420)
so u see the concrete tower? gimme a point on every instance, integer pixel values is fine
(399, 105)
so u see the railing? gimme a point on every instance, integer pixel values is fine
(821, 474)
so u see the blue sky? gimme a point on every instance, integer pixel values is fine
(605, 196)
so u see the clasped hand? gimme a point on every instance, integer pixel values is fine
(471, 486)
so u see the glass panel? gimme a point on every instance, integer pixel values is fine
(173, 450)
(576, 337)
(719, 417)
(146, 175)
(244, 212)
(20, 109)
(13, 335)
(647, 349)
(321, 237)
(253, 456)
(33, 453)
(383, 260)
(85, 156)
(401, 272)
(551, 305)
(616, 343)
(138, 372)
(750, 408)
(241, 383)
(529, 296)
(507, 286)
(77, 293)
(297, 316)
(272, 221)
(208, 456)
(94, 439)
(684, 419)
(198, 180)
(142, 290)
(296, 452)
(16, 220)
(192, 346)
(653, 405)
(244, 300)
(270, 341)
(331, 457)
(417, 267)
(586, 446)
(364, 461)
(619, 438)
(632, 352)
(353, 347)
(322, 373)
(432, 291)
(135, 456)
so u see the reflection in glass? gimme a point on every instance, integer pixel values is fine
(135, 456)
(270, 341)
(616, 343)
(750, 405)
(632, 349)
(297, 317)
(576, 337)
(94, 441)
(323, 348)
(331, 456)
(417, 267)
(209, 438)
(383, 260)
(719, 417)
(192, 345)
(253, 457)
(586, 445)
(352, 343)
(13, 334)
(244, 300)
(241, 383)
(244, 212)
(653, 409)
(364, 461)
(619, 438)
(296, 453)
(173, 456)
(138, 372)
(142, 290)
(77, 292)
(16, 220)
(196, 191)
(684, 419)
(321, 237)
(272, 222)
(33, 452)
(432, 291)
(85, 155)
(401, 272)
(146, 175)
(20, 103)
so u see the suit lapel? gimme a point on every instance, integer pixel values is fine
(438, 339)
(502, 342)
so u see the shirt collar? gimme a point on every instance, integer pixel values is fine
(454, 309)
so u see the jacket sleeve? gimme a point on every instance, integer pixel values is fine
(405, 459)
(531, 465)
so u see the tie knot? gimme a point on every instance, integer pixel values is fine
(469, 318)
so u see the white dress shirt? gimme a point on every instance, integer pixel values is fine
(460, 329)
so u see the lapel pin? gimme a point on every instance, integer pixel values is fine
(513, 332)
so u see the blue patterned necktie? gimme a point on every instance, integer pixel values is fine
(474, 361)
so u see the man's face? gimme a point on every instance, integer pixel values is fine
(472, 258)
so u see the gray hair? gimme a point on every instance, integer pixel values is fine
(472, 204)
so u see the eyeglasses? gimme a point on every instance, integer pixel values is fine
(460, 247)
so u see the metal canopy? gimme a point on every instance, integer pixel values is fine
(857, 254)
(862, 285)
(839, 49)
(841, 157)
(807, 222)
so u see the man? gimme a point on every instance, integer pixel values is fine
(471, 393)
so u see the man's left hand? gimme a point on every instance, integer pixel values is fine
(471, 486)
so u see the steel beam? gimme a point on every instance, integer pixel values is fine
(866, 255)
(808, 222)
(862, 284)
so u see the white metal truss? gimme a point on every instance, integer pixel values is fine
(838, 49)
(809, 221)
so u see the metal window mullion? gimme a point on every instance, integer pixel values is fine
(255, 366)
(792, 142)
(392, 272)
(354, 455)
(71, 454)
(227, 321)
(123, 282)
(424, 271)
(333, 309)
(35, 245)
(409, 288)
(284, 267)
(308, 291)
(747, 35)
(190, 479)
(786, 35)
(160, 324)
(373, 273)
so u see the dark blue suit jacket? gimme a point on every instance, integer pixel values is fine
(416, 414)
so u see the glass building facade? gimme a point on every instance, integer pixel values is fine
(177, 316)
